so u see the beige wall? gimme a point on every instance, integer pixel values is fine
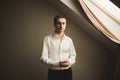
(24, 25)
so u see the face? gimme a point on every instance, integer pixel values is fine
(60, 25)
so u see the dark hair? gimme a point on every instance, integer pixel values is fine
(58, 16)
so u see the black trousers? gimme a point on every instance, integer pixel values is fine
(60, 74)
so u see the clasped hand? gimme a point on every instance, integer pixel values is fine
(64, 63)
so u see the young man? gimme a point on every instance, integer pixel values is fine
(59, 52)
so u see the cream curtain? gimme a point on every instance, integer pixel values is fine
(105, 16)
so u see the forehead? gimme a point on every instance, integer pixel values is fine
(61, 20)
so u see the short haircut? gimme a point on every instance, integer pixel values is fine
(58, 16)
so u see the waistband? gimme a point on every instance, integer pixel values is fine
(60, 69)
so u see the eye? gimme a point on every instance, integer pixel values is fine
(63, 23)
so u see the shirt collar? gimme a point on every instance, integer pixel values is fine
(57, 36)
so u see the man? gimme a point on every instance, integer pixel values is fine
(59, 52)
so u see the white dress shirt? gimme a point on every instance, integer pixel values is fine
(56, 50)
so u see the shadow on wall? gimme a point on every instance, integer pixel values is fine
(22, 32)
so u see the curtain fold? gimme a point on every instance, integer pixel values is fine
(105, 16)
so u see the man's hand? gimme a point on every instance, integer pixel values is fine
(64, 63)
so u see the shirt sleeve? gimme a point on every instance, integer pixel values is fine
(45, 55)
(72, 56)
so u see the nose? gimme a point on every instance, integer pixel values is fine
(61, 24)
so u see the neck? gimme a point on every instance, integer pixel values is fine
(61, 34)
